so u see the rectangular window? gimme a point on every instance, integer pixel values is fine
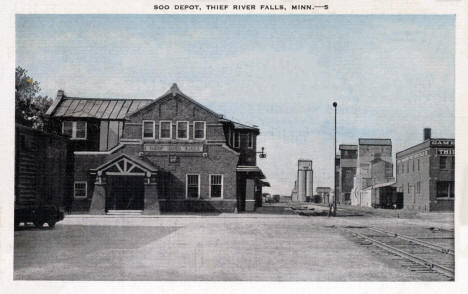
(193, 186)
(413, 165)
(80, 132)
(250, 143)
(67, 128)
(216, 186)
(80, 190)
(182, 130)
(236, 140)
(418, 187)
(443, 162)
(148, 129)
(407, 167)
(418, 164)
(232, 138)
(445, 189)
(75, 129)
(199, 130)
(165, 129)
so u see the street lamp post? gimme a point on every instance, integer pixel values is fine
(335, 105)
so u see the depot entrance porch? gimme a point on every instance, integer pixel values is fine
(125, 193)
(125, 183)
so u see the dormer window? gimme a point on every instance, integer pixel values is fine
(250, 138)
(76, 130)
(165, 129)
(182, 130)
(148, 129)
(236, 140)
(199, 129)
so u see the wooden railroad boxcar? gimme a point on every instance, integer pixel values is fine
(41, 169)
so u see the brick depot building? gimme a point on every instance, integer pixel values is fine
(167, 154)
(426, 174)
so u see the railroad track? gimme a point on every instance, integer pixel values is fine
(423, 256)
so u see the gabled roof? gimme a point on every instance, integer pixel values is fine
(174, 91)
(121, 108)
(99, 108)
(373, 141)
(146, 166)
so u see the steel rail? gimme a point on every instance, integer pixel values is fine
(433, 266)
(414, 240)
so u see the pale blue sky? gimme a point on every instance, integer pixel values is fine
(391, 75)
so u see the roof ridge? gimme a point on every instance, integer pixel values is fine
(174, 90)
(110, 98)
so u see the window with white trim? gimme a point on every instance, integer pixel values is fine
(75, 129)
(148, 129)
(250, 138)
(165, 129)
(216, 186)
(182, 130)
(199, 129)
(236, 140)
(193, 186)
(80, 190)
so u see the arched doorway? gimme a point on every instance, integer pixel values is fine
(124, 183)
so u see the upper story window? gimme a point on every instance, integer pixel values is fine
(182, 130)
(199, 129)
(148, 129)
(236, 140)
(443, 162)
(250, 138)
(75, 129)
(165, 129)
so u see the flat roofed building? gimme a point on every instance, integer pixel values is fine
(425, 174)
(171, 154)
(324, 194)
(374, 166)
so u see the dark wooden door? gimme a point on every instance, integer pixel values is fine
(125, 193)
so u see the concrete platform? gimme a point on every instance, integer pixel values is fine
(228, 247)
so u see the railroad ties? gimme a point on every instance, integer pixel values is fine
(417, 254)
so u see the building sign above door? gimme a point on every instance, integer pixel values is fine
(173, 147)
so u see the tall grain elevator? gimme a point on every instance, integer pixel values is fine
(305, 176)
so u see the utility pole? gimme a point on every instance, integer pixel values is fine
(335, 105)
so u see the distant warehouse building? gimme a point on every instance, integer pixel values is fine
(347, 168)
(426, 174)
(374, 171)
(324, 194)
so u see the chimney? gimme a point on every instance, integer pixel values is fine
(427, 134)
(60, 94)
